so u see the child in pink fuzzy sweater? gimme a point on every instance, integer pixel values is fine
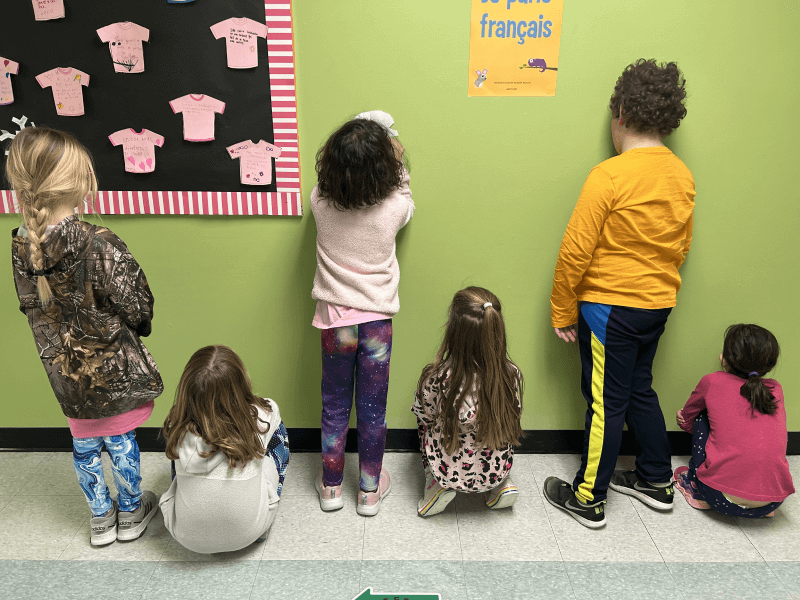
(360, 203)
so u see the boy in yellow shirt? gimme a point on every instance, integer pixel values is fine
(617, 277)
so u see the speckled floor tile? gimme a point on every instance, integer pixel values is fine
(406, 472)
(302, 531)
(788, 572)
(517, 581)
(396, 578)
(304, 467)
(201, 581)
(149, 547)
(54, 477)
(624, 538)
(21, 578)
(623, 580)
(714, 537)
(40, 527)
(301, 579)
(397, 532)
(18, 468)
(86, 579)
(525, 522)
(4, 500)
(778, 537)
(727, 581)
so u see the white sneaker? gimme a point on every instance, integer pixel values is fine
(435, 498)
(330, 496)
(133, 524)
(103, 530)
(503, 496)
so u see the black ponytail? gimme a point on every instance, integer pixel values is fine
(751, 352)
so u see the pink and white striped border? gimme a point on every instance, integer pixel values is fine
(287, 201)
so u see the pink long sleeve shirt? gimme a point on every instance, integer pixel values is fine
(746, 450)
(356, 253)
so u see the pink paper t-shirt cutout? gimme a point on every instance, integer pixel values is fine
(125, 42)
(241, 40)
(67, 92)
(139, 148)
(7, 69)
(44, 10)
(255, 161)
(198, 116)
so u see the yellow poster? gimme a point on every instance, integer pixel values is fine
(513, 47)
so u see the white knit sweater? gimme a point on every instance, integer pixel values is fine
(356, 252)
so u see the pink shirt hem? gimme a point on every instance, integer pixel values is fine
(328, 316)
(116, 425)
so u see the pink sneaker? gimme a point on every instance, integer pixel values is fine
(369, 503)
(688, 490)
(330, 496)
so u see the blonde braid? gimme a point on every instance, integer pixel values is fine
(37, 220)
(49, 170)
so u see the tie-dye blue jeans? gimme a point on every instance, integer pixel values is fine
(355, 358)
(124, 452)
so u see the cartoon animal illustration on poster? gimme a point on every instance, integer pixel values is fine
(513, 48)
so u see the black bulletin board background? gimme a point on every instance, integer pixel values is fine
(181, 57)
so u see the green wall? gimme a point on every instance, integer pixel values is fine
(495, 181)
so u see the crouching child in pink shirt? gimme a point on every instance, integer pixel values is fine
(738, 424)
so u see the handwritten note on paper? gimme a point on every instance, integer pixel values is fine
(44, 10)
(7, 69)
(255, 164)
(138, 148)
(241, 37)
(198, 115)
(67, 92)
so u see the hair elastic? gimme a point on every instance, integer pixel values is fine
(40, 273)
(487, 304)
(751, 373)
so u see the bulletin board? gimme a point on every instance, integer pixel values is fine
(181, 57)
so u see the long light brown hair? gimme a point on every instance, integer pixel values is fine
(214, 401)
(48, 170)
(474, 356)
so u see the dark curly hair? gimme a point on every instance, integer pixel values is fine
(650, 96)
(357, 166)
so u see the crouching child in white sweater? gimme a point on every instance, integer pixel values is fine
(230, 450)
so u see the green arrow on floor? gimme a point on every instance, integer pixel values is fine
(368, 595)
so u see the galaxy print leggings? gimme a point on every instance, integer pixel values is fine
(355, 358)
(124, 452)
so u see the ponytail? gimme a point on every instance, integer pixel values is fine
(750, 352)
(758, 394)
(36, 221)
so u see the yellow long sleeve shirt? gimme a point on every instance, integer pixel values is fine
(628, 235)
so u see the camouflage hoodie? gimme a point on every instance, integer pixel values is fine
(88, 336)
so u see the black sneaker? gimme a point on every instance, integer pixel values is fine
(559, 493)
(627, 482)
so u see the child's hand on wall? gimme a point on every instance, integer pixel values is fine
(568, 334)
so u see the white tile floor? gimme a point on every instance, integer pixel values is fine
(468, 551)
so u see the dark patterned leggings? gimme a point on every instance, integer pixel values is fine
(355, 358)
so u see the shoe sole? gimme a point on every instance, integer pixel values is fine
(641, 496)
(138, 531)
(578, 518)
(504, 499)
(104, 538)
(370, 510)
(438, 503)
(330, 505)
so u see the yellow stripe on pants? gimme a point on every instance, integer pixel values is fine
(597, 430)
